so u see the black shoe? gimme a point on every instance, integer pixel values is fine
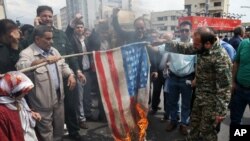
(164, 119)
(178, 118)
(171, 126)
(76, 137)
(152, 112)
(84, 125)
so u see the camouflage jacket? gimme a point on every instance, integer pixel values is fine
(213, 75)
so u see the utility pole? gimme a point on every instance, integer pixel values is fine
(4, 8)
(206, 8)
(101, 9)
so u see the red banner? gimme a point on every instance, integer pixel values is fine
(218, 24)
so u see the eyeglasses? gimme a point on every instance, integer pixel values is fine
(184, 30)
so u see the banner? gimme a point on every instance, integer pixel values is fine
(123, 78)
(218, 24)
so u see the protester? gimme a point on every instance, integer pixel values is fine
(229, 48)
(47, 97)
(9, 45)
(240, 83)
(101, 39)
(17, 121)
(139, 35)
(26, 31)
(18, 128)
(75, 33)
(130, 36)
(181, 74)
(158, 83)
(163, 66)
(213, 83)
(225, 39)
(63, 45)
(239, 33)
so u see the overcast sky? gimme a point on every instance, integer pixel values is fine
(25, 10)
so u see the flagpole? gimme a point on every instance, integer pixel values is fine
(75, 55)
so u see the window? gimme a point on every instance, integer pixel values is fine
(217, 14)
(173, 18)
(163, 28)
(188, 9)
(159, 18)
(172, 28)
(217, 4)
(165, 18)
(202, 5)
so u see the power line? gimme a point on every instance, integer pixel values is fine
(245, 7)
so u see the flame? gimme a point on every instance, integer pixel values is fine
(127, 138)
(142, 122)
(139, 133)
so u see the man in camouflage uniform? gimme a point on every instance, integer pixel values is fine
(213, 83)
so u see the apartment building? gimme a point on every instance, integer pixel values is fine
(2, 10)
(211, 8)
(92, 10)
(57, 21)
(166, 20)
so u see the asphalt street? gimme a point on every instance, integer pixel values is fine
(99, 131)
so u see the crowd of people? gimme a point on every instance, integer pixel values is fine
(199, 75)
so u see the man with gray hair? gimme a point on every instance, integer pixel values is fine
(47, 97)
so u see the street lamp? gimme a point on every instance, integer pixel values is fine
(206, 8)
(5, 9)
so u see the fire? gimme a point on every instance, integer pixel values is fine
(142, 122)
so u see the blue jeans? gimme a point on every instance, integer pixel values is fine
(177, 86)
(239, 101)
(85, 99)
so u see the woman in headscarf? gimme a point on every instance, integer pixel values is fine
(17, 121)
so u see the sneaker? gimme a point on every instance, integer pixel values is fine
(84, 125)
(183, 129)
(170, 127)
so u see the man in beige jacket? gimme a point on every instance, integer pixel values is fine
(47, 97)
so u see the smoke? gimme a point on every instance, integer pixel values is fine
(142, 7)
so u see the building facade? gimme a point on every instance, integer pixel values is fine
(211, 8)
(166, 21)
(57, 21)
(92, 10)
(2, 10)
(64, 18)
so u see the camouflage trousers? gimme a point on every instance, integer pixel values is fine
(202, 121)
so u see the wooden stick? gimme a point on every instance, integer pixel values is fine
(75, 55)
(33, 67)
